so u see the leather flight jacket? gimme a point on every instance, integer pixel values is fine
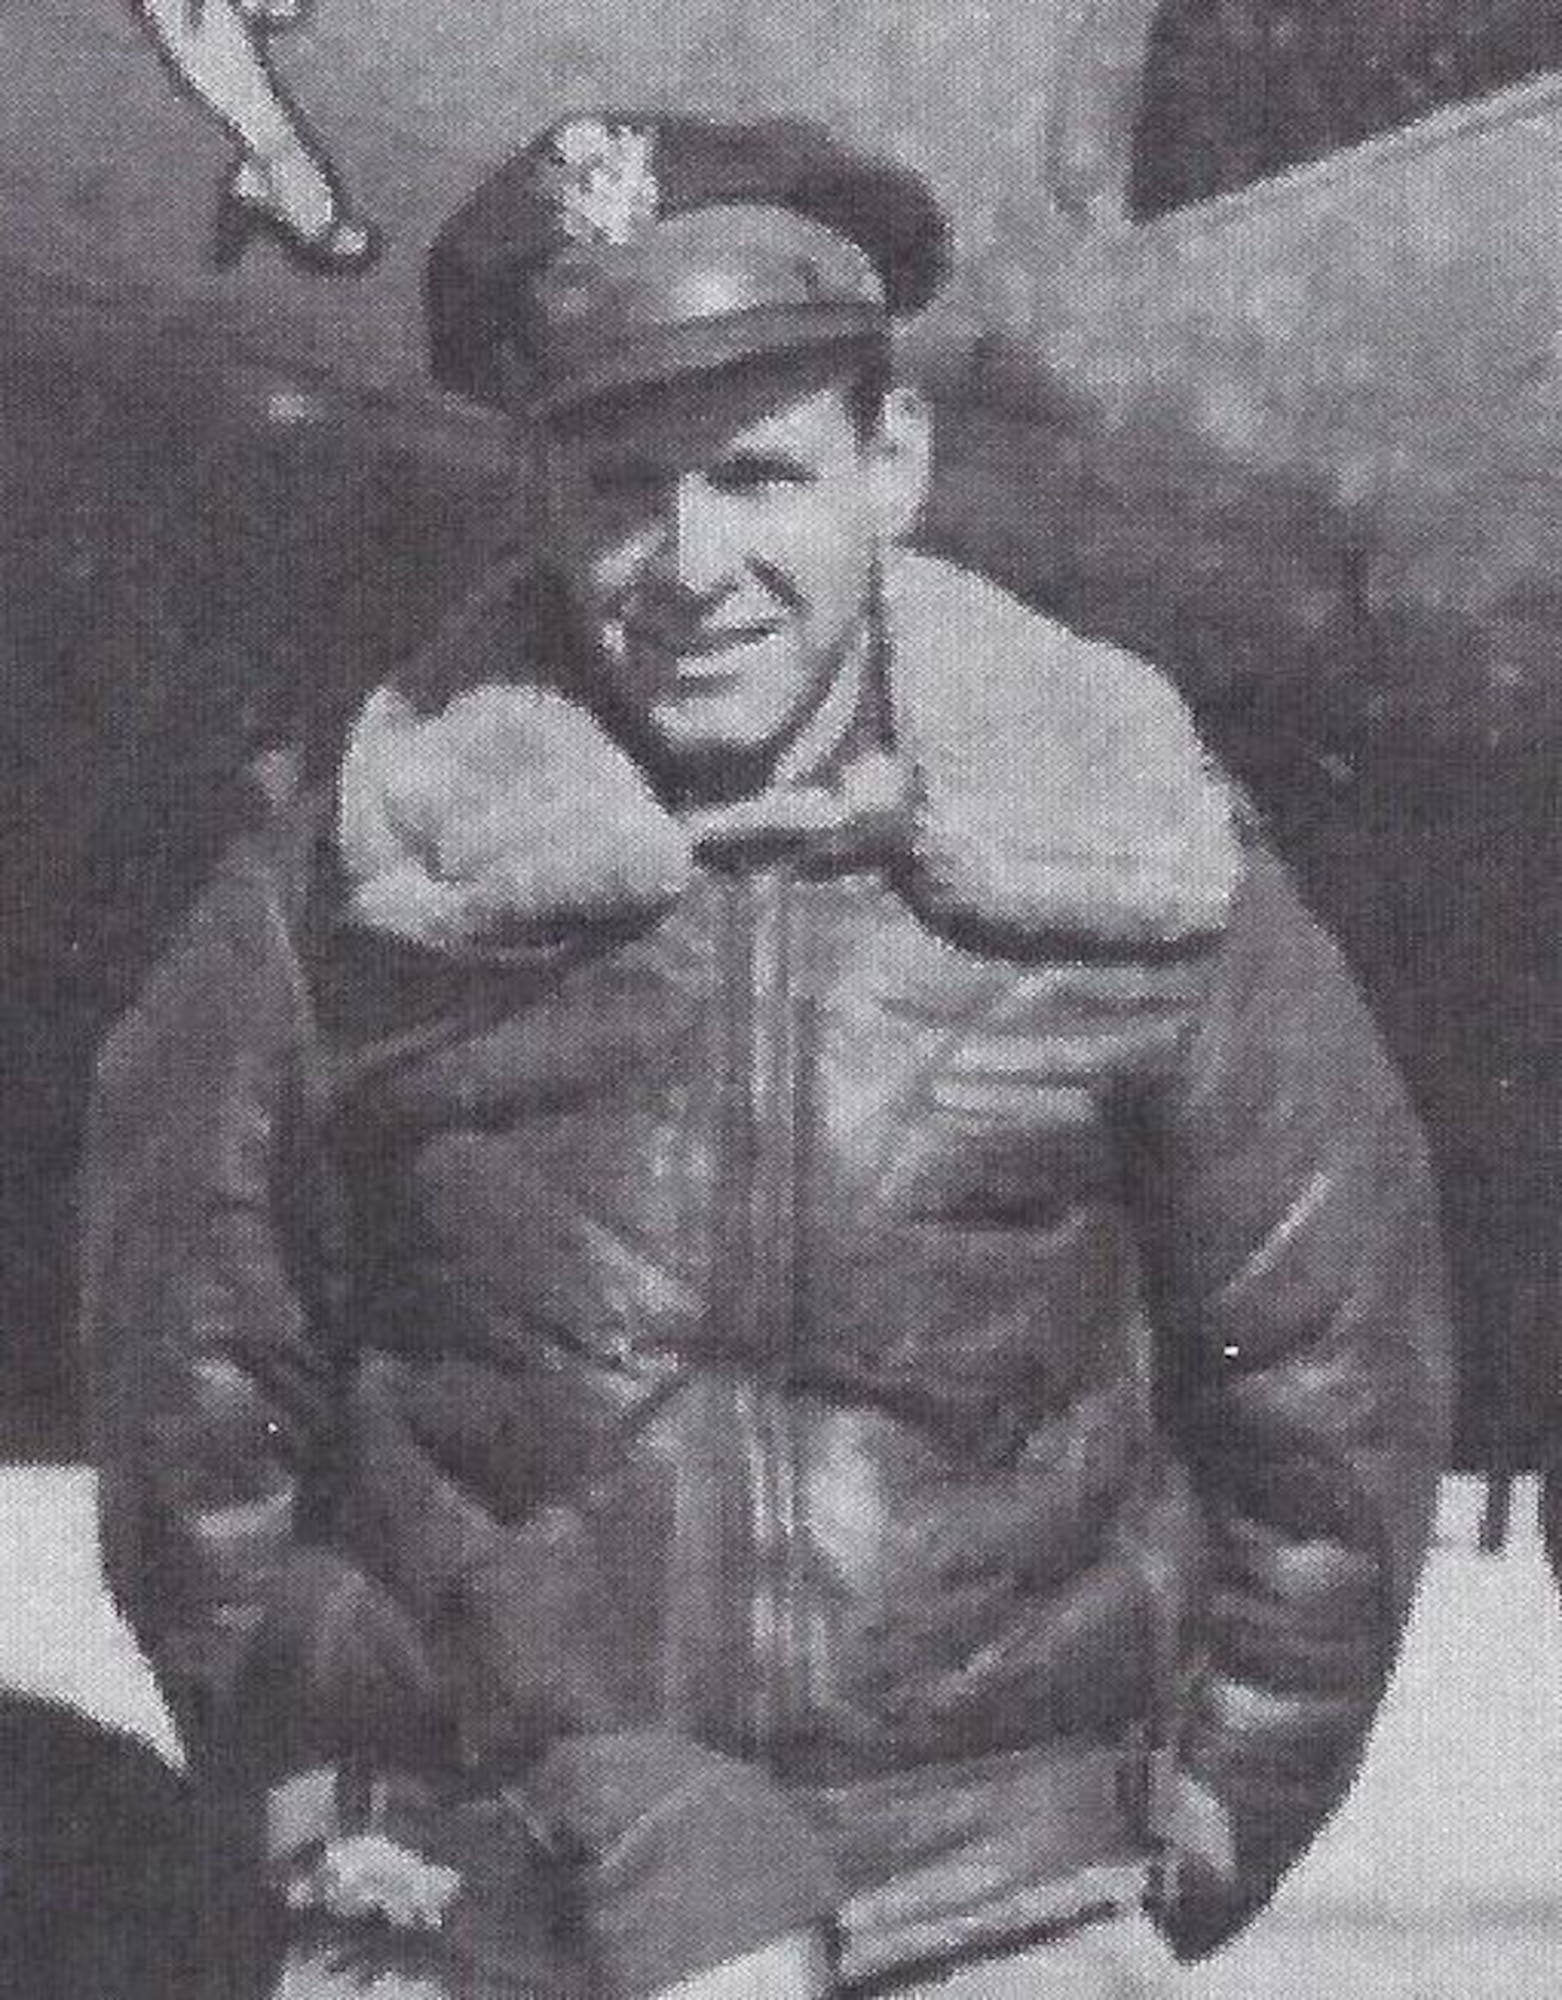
(954, 1324)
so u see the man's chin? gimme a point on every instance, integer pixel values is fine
(712, 763)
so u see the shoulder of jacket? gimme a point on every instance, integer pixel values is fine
(489, 634)
(232, 964)
(228, 977)
(1064, 789)
(265, 873)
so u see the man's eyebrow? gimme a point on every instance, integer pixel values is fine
(626, 464)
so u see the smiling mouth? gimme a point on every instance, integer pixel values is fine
(689, 649)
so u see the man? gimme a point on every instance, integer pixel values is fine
(770, 1287)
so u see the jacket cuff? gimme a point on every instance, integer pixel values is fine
(334, 1672)
(1197, 1914)
(1217, 1867)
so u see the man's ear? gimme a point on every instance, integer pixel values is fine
(902, 448)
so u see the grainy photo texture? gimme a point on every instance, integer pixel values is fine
(779, 1174)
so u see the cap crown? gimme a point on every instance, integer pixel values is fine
(591, 206)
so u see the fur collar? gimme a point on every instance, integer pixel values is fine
(1043, 788)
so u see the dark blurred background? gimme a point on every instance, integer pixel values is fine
(1294, 437)
(1239, 89)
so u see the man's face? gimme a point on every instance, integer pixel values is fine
(718, 540)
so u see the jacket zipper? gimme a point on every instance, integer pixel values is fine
(765, 1273)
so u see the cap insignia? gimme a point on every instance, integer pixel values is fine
(603, 181)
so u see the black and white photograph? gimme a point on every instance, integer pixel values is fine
(781, 1164)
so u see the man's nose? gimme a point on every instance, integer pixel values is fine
(698, 548)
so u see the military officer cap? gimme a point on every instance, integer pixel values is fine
(617, 251)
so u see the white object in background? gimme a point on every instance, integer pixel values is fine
(60, 1636)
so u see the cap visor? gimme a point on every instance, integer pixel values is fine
(655, 355)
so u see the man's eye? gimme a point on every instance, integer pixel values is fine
(758, 475)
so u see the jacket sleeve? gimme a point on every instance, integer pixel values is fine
(1293, 1238)
(211, 1380)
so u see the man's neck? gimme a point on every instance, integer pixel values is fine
(825, 737)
